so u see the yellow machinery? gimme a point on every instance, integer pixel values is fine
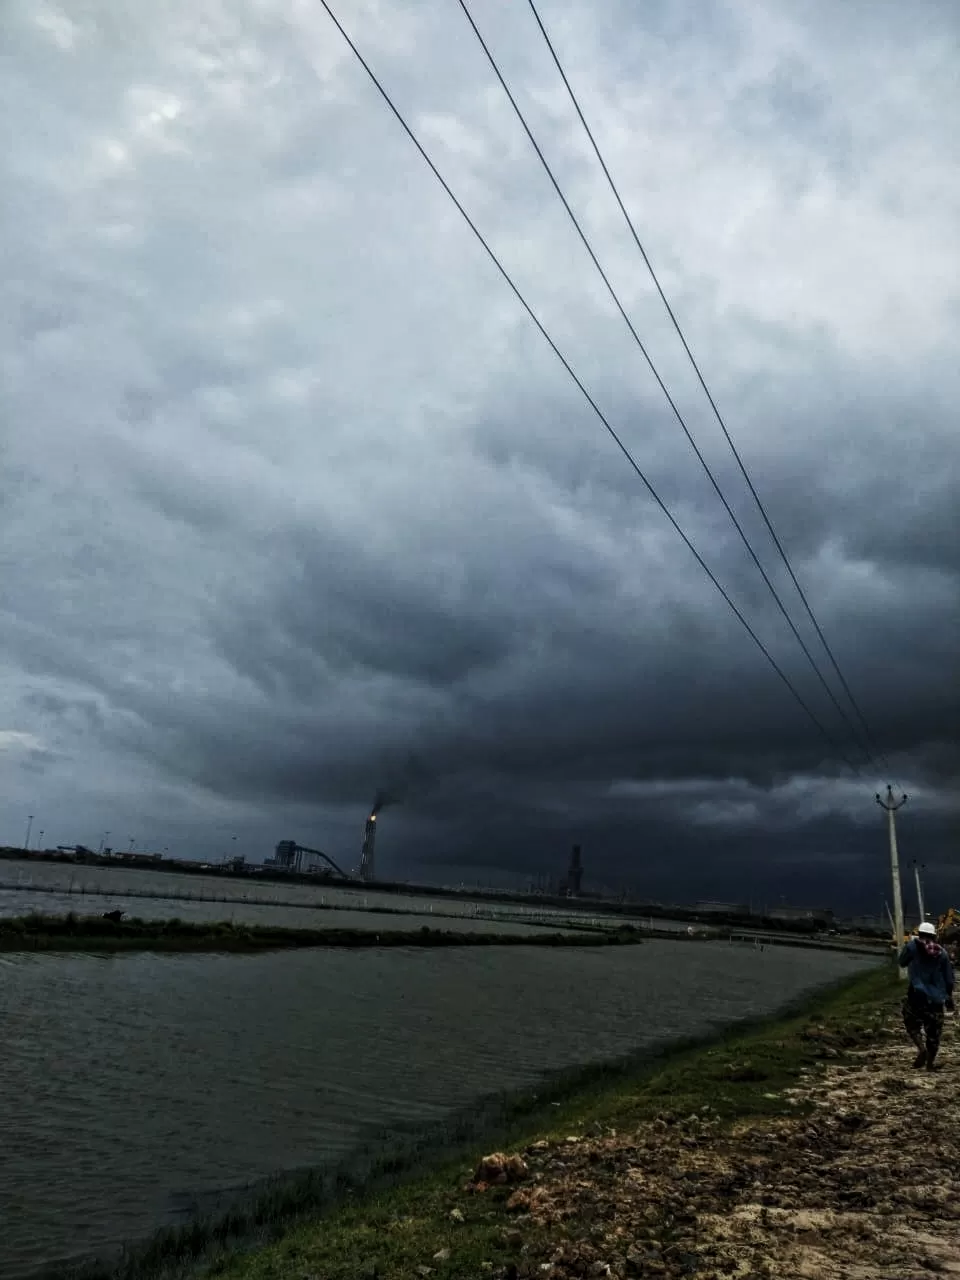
(948, 932)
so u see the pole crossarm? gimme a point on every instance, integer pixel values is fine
(889, 803)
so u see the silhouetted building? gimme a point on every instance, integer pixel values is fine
(285, 854)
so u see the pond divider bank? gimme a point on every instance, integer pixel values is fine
(106, 933)
(101, 934)
(604, 1150)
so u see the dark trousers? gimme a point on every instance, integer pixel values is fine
(923, 1016)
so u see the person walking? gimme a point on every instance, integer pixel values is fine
(930, 992)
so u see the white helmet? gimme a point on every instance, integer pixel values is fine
(927, 930)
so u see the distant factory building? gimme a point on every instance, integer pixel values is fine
(291, 856)
(285, 853)
(723, 908)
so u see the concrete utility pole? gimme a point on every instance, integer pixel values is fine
(891, 806)
(916, 875)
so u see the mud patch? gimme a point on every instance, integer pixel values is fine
(863, 1183)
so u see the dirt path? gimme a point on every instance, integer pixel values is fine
(865, 1186)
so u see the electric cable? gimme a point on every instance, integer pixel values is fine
(508, 280)
(858, 738)
(869, 736)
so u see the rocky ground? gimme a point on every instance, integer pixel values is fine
(862, 1183)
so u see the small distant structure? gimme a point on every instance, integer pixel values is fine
(285, 854)
(570, 888)
(542, 884)
(75, 852)
(722, 908)
(291, 856)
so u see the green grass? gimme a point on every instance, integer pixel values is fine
(391, 1218)
(94, 933)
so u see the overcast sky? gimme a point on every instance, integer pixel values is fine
(296, 502)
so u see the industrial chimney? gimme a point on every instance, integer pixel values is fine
(367, 849)
(380, 800)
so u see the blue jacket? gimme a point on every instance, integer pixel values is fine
(932, 975)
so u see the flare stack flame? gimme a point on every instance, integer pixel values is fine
(367, 865)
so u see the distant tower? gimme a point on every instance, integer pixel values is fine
(574, 873)
(285, 853)
(366, 851)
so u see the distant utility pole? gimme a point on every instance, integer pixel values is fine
(916, 874)
(26, 843)
(891, 806)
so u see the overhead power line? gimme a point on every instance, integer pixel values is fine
(858, 738)
(508, 280)
(868, 735)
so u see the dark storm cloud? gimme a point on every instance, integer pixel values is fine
(298, 505)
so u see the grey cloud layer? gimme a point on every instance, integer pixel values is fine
(296, 503)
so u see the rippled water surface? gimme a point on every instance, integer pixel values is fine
(54, 888)
(134, 1086)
